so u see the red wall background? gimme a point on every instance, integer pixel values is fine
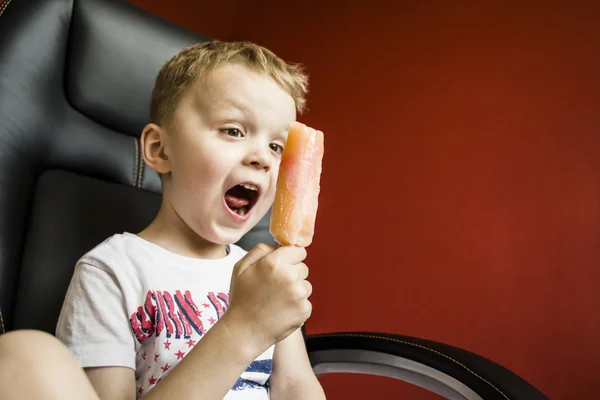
(461, 189)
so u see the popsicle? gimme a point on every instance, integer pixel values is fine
(298, 185)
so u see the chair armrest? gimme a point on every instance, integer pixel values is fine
(449, 371)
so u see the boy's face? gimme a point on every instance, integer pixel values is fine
(228, 131)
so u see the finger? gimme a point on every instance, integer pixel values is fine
(301, 271)
(307, 310)
(289, 254)
(256, 253)
(309, 288)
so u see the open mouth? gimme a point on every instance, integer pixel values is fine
(241, 198)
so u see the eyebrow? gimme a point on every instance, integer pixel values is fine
(246, 112)
(284, 134)
(240, 107)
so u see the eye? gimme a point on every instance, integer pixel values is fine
(233, 132)
(277, 148)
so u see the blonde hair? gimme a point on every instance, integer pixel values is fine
(194, 62)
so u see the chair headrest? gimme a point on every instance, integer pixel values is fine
(115, 52)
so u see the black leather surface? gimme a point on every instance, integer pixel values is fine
(70, 215)
(114, 52)
(486, 378)
(75, 84)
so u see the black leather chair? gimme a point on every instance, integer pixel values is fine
(75, 80)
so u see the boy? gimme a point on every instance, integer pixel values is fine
(178, 310)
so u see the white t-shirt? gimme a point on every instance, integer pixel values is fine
(134, 304)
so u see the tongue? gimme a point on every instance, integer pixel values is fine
(235, 202)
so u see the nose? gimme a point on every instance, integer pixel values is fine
(259, 156)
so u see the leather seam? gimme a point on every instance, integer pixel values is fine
(141, 169)
(3, 7)
(421, 347)
(2, 329)
(135, 163)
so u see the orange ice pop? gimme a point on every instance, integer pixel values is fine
(297, 194)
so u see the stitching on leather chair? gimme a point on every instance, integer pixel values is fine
(135, 163)
(2, 8)
(141, 171)
(421, 347)
(2, 330)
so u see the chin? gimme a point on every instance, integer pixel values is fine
(217, 233)
(224, 236)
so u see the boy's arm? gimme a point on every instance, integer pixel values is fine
(115, 383)
(293, 377)
(213, 366)
(207, 372)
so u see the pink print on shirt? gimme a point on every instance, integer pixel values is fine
(179, 315)
(169, 326)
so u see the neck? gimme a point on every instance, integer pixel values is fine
(170, 232)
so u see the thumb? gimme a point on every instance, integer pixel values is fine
(256, 253)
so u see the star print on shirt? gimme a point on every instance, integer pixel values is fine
(176, 322)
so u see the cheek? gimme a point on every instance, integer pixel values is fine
(273, 186)
(269, 196)
(200, 164)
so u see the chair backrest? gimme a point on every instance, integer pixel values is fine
(75, 84)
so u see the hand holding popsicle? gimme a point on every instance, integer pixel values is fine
(269, 294)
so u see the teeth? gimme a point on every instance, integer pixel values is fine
(249, 187)
(242, 210)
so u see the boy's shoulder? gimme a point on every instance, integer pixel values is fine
(113, 250)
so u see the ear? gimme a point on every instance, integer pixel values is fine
(154, 148)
